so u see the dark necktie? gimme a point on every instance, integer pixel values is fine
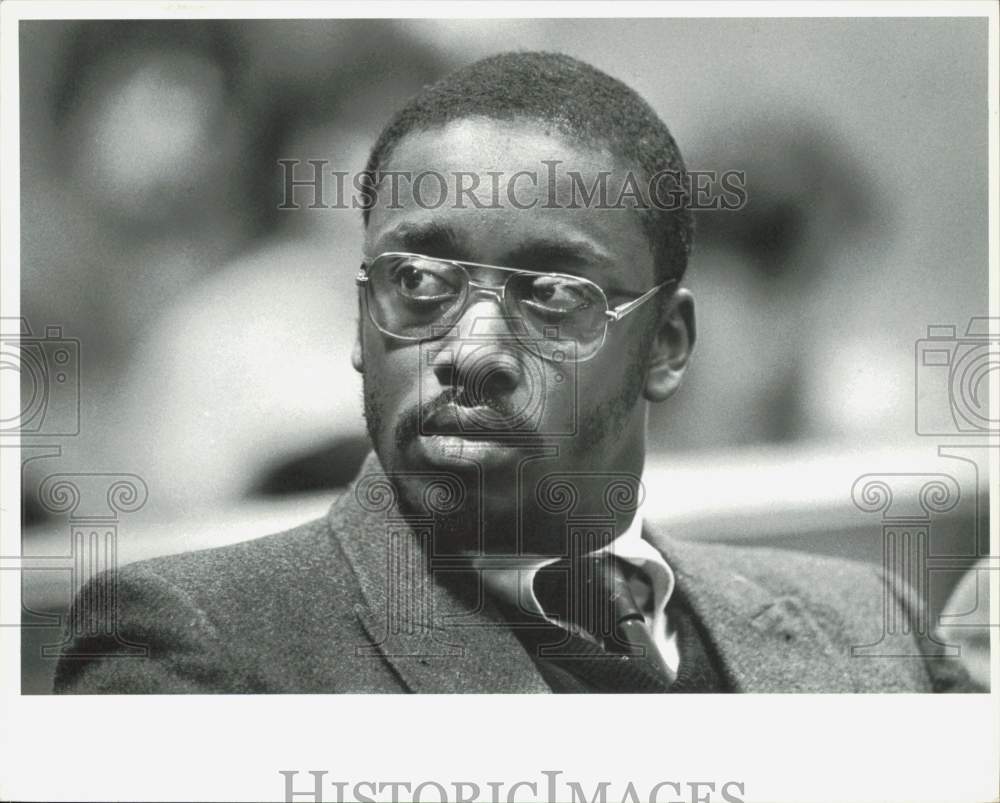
(592, 595)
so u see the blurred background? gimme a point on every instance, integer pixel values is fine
(214, 328)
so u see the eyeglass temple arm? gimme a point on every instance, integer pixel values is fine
(622, 310)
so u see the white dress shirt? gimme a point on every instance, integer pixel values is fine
(515, 584)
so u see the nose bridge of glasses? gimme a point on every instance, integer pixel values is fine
(481, 319)
(496, 291)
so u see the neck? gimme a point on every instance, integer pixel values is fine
(544, 511)
(535, 505)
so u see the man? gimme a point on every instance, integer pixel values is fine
(510, 341)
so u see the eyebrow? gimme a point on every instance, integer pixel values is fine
(428, 237)
(564, 254)
(559, 254)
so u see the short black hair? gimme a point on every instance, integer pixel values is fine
(581, 102)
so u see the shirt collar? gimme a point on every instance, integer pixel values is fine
(632, 548)
(515, 584)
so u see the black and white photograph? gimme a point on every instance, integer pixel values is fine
(438, 350)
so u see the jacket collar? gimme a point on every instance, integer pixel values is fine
(443, 637)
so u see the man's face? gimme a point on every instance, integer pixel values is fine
(477, 400)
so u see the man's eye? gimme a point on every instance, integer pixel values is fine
(557, 294)
(422, 284)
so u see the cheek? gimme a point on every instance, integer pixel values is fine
(603, 376)
(391, 372)
(576, 391)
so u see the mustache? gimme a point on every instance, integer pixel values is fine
(413, 420)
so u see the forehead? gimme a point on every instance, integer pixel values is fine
(511, 193)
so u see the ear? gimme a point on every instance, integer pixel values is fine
(357, 352)
(672, 347)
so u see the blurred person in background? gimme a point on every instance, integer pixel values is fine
(141, 173)
(765, 273)
(269, 331)
(208, 315)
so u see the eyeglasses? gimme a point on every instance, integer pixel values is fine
(413, 297)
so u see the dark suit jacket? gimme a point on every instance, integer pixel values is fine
(313, 610)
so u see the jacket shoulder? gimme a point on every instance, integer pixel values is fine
(849, 597)
(781, 571)
(869, 620)
(811, 574)
(301, 550)
(271, 614)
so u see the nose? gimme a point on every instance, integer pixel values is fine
(481, 357)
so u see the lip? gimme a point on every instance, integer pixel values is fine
(460, 452)
(464, 422)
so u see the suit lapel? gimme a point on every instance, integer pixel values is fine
(767, 642)
(439, 637)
